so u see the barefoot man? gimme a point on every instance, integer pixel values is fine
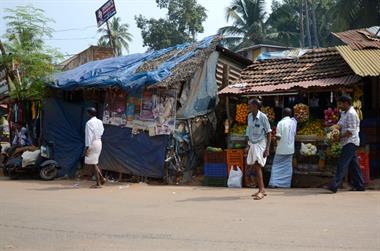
(93, 140)
(259, 138)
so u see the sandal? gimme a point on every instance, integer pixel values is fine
(259, 196)
(255, 194)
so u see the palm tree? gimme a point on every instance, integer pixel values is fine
(120, 36)
(248, 26)
(356, 14)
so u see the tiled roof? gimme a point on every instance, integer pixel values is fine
(359, 39)
(363, 62)
(318, 67)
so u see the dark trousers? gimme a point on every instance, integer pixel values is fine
(348, 160)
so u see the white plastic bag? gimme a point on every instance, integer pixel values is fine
(29, 158)
(235, 178)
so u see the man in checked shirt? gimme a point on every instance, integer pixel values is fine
(349, 125)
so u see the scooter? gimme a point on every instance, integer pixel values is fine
(36, 162)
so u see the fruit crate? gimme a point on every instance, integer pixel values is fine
(235, 157)
(215, 170)
(215, 181)
(215, 157)
(363, 160)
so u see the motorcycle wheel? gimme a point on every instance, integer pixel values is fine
(49, 172)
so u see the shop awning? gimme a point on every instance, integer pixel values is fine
(364, 62)
(244, 88)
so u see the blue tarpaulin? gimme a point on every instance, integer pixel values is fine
(138, 154)
(122, 152)
(121, 71)
(286, 54)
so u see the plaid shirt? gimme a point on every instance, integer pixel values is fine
(349, 122)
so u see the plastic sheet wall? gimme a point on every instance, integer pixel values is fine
(63, 124)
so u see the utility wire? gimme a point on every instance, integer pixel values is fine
(75, 29)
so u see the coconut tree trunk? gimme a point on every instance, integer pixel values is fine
(308, 33)
(302, 31)
(315, 31)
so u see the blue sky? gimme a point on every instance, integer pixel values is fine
(75, 22)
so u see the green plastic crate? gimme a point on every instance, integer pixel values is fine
(215, 181)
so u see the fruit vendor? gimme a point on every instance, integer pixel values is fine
(282, 170)
(349, 125)
(259, 138)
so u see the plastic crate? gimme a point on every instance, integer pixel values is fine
(236, 139)
(363, 159)
(215, 157)
(235, 157)
(215, 181)
(215, 170)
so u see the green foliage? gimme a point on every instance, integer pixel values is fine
(159, 33)
(120, 36)
(248, 26)
(355, 14)
(182, 24)
(283, 25)
(26, 29)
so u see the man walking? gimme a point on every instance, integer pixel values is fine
(282, 170)
(93, 135)
(349, 125)
(259, 138)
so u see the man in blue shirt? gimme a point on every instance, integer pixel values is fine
(259, 137)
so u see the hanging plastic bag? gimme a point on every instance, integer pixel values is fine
(235, 178)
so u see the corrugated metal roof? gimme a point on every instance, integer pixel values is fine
(363, 62)
(244, 88)
(358, 39)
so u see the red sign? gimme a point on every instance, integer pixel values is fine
(105, 12)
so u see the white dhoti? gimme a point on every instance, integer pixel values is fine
(256, 153)
(93, 153)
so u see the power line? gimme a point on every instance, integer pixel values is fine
(75, 29)
(78, 38)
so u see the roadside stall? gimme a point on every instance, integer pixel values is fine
(310, 85)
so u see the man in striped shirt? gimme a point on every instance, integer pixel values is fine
(349, 125)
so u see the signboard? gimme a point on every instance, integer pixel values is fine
(105, 12)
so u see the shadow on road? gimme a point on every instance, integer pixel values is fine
(205, 199)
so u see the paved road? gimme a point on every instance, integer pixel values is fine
(56, 215)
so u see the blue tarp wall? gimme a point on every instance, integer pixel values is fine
(122, 152)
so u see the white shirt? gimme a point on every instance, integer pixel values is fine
(286, 130)
(349, 121)
(94, 131)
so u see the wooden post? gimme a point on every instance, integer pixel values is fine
(228, 110)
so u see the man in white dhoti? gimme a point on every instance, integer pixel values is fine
(282, 170)
(93, 140)
(259, 138)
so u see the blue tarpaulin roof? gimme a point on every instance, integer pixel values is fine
(121, 71)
